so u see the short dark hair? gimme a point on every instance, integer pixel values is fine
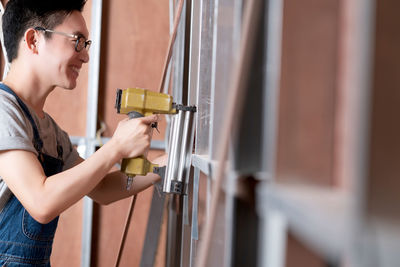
(21, 15)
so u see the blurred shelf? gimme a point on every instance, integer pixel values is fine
(318, 216)
(206, 166)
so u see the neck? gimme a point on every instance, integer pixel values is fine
(29, 88)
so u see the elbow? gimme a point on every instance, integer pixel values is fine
(101, 198)
(44, 219)
(42, 215)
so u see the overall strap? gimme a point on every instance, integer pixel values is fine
(38, 143)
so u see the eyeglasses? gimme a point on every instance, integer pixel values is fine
(80, 43)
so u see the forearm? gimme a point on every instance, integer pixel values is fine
(130, 139)
(113, 187)
(66, 188)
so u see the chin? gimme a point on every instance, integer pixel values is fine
(67, 86)
(71, 85)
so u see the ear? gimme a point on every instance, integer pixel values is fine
(31, 39)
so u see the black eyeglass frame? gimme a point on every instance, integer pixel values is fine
(78, 48)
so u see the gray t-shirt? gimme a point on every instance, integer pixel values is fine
(16, 132)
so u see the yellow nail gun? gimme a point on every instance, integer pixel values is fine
(137, 102)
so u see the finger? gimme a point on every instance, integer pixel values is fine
(149, 119)
(148, 130)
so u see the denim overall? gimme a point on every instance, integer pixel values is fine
(24, 241)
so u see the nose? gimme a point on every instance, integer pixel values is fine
(84, 56)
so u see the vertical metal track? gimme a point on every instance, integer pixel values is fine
(212, 102)
(275, 236)
(174, 238)
(195, 211)
(153, 230)
(272, 245)
(191, 220)
(274, 11)
(213, 79)
(178, 58)
(91, 122)
(171, 30)
(175, 205)
(362, 52)
(6, 63)
(171, 45)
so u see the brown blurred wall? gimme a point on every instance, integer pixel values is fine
(308, 91)
(384, 167)
(307, 103)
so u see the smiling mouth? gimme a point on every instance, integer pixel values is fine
(76, 70)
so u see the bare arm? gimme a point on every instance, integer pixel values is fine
(113, 186)
(46, 197)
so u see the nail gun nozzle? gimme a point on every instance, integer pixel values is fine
(129, 182)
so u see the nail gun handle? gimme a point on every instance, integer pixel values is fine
(135, 114)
